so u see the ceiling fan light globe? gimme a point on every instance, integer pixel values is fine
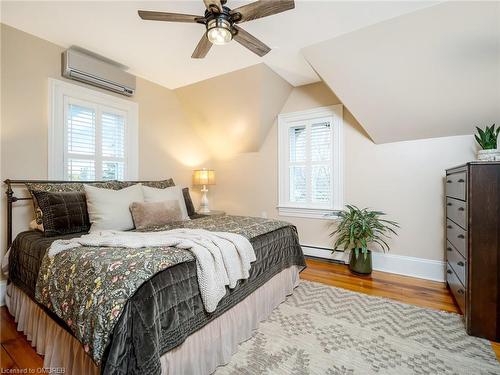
(219, 35)
(219, 31)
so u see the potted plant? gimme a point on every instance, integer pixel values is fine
(357, 230)
(487, 139)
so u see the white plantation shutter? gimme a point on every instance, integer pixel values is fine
(298, 179)
(95, 142)
(113, 135)
(321, 160)
(310, 164)
(80, 141)
(113, 146)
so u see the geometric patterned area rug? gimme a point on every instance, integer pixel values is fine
(326, 330)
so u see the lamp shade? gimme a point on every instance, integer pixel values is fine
(204, 177)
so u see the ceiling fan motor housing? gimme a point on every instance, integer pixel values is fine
(224, 15)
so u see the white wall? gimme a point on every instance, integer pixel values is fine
(404, 179)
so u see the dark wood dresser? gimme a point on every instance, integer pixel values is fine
(473, 245)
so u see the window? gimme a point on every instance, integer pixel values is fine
(92, 136)
(310, 162)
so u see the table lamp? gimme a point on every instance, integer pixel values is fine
(204, 177)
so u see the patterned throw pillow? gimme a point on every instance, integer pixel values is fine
(154, 184)
(63, 212)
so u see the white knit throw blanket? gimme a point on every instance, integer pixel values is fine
(221, 258)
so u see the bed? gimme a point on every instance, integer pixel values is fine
(163, 327)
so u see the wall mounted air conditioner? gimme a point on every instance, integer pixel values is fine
(86, 67)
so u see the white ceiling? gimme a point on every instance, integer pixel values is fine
(160, 51)
(431, 73)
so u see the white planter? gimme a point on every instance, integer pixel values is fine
(488, 155)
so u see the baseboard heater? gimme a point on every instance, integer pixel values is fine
(337, 256)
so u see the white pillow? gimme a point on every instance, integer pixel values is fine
(167, 194)
(109, 209)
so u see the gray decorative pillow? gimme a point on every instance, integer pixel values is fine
(148, 214)
(189, 202)
(63, 212)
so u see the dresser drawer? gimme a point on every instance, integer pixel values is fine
(456, 287)
(457, 236)
(456, 210)
(457, 262)
(456, 185)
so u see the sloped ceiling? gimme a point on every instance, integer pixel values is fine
(431, 73)
(161, 51)
(234, 112)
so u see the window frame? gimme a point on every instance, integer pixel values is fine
(60, 93)
(294, 119)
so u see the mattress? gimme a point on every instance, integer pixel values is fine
(168, 307)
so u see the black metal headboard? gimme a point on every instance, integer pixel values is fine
(11, 198)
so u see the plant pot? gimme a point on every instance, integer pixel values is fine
(361, 264)
(488, 155)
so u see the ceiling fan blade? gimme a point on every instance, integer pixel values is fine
(249, 41)
(202, 48)
(259, 9)
(170, 17)
(213, 5)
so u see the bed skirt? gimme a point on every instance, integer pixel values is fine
(200, 354)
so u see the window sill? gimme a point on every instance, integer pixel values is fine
(307, 212)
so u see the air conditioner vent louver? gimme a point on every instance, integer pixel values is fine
(89, 69)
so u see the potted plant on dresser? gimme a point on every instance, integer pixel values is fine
(488, 139)
(359, 229)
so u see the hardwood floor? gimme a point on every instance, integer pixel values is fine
(17, 353)
(404, 289)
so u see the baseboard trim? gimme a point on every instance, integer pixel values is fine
(3, 288)
(398, 264)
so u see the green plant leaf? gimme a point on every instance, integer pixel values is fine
(358, 228)
(479, 141)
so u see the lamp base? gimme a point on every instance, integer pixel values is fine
(204, 209)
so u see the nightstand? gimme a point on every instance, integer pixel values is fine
(212, 213)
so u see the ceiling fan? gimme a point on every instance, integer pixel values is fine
(222, 22)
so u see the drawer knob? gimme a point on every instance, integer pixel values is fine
(461, 209)
(461, 236)
(449, 226)
(448, 271)
(461, 264)
(461, 180)
(449, 204)
(460, 291)
(449, 249)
